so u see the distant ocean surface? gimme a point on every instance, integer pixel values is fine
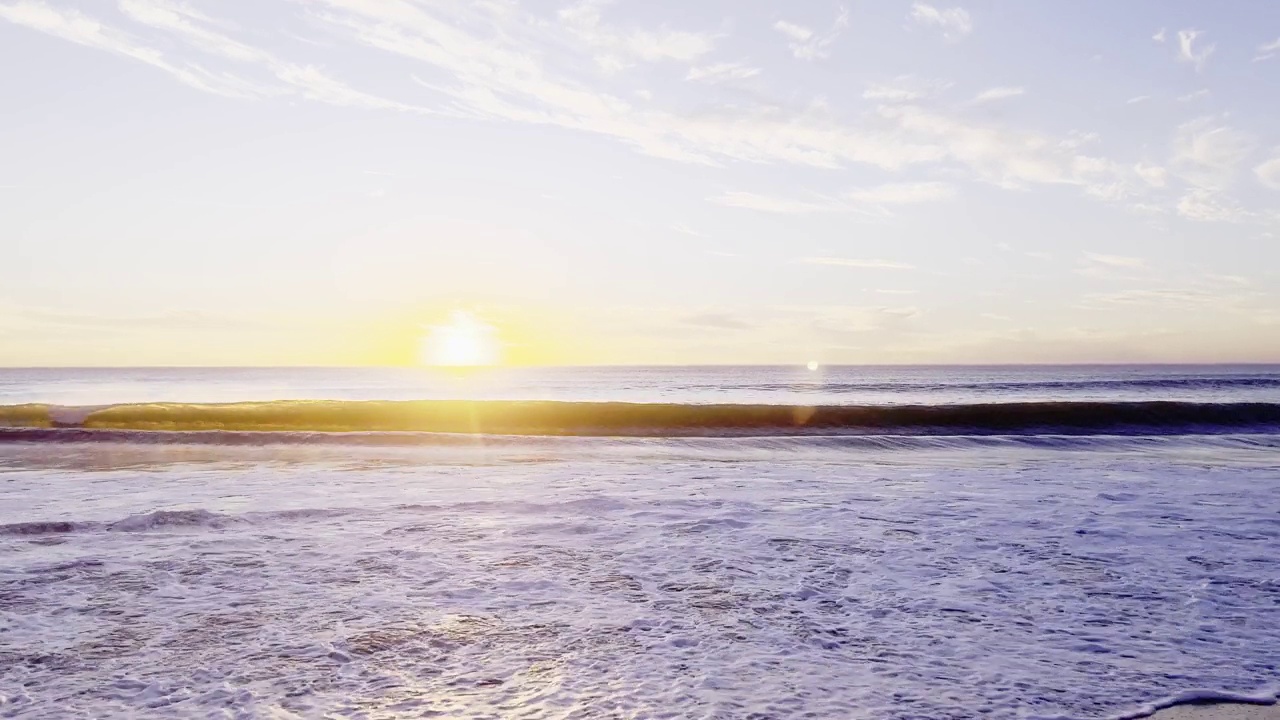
(735, 542)
(831, 385)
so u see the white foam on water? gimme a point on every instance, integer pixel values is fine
(981, 582)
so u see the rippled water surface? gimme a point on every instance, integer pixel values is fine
(768, 578)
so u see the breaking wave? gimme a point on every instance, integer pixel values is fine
(542, 418)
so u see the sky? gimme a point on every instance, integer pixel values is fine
(321, 182)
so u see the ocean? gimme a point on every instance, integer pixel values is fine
(1087, 542)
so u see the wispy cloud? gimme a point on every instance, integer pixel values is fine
(856, 263)
(721, 72)
(955, 22)
(75, 26)
(716, 321)
(770, 204)
(904, 88)
(1187, 51)
(1137, 99)
(686, 230)
(872, 201)
(1268, 51)
(805, 43)
(903, 193)
(619, 48)
(1268, 173)
(887, 93)
(499, 62)
(1207, 154)
(998, 93)
(1153, 175)
(1196, 95)
(1122, 261)
(1160, 35)
(1208, 205)
(192, 28)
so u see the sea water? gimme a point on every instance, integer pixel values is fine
(940, 574)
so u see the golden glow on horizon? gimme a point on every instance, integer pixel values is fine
(812, 365)
(464, 341)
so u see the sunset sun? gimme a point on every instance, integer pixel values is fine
(464, 341)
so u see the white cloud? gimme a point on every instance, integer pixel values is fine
(721, 72)
(618, 48)
(1122, 261)
(1201, 93)
(888, 93)
(998, 93)
(1159, 36)
(1210, 206)
(954, 22)
(1138, 99)
(869, 201)
(502, 81)
(1187, 51)
(798, 33)
(1208, 155)
(1268, 173)
(806, 44)
(904, 88)
(1153, 175)
(903, 193)
(766, 203)
(76, 27)
(856, 263)
(479, 63)
(685, 229)
(187, 24)
(1268, 51)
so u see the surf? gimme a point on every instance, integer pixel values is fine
(563, 418)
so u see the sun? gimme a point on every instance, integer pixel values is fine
(464, 341)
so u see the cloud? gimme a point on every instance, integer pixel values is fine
(1268, 51)
(1268, 173)
(870, 201)
(619, 48)
(856, 263)
(1160, 35)
(498, 62)
(806, 44)
(1153, 175)
(189, 26)
(1000, 156)
(954, 22)
(1201, 93)
(1187, 51)
(1207, 154)
(686, 230)
(721, 72)
(998, 93)
(903, 88)
(1137, 99)
(1207, 205)
(1121, 261)
(717, 321)
(76, 27)
(903, 193)
(766, 203)
(886, 93)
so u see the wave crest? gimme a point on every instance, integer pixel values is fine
(653, 419)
